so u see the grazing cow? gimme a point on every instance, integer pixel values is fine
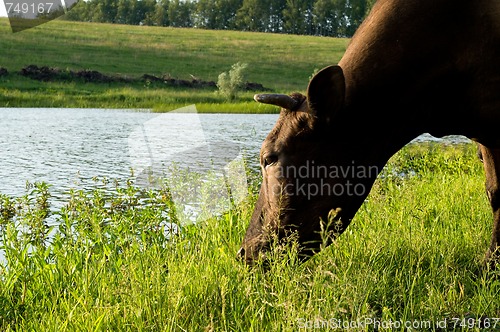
(412, 67)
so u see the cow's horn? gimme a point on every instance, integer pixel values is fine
(284, 101)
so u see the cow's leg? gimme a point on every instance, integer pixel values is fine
(491, 162)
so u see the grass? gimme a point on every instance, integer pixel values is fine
(115, 96)
(279, 62)
(413, 255)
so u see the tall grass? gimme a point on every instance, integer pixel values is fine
(412, 254)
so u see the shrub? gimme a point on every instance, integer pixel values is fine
(230, 82)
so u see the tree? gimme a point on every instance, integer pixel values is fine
(216, 14)
(105, 11)
(253, 15)
(82, 11)
(180, 13)
(160, 15)
(293, 16)
(356, 11)
(318, 17)
(298, 17)
(275, 13)
(147, 10)
(329, 17)
(123, 11)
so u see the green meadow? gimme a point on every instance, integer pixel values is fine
(411, 260)
(281, 63)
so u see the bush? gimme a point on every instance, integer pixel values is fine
(230, 82)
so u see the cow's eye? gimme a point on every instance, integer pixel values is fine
(269, 160)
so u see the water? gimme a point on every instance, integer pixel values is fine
(68, 148)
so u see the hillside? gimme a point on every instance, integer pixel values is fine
(282, 63)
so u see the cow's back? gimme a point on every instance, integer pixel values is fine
(436, 60)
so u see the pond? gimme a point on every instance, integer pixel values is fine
(68, 148)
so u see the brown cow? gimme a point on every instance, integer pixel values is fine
(413, 67)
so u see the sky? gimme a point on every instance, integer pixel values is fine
(2, 9)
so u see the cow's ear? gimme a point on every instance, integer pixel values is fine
(325, 93)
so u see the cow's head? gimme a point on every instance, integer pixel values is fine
(314, 176)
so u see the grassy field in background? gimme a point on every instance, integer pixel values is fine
(282, 63)
(411, 258)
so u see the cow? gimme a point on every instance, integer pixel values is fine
(412, 67)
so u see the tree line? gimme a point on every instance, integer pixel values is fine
(337, 18)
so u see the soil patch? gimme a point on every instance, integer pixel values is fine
(47, 74)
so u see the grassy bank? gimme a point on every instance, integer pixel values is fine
(282, 63)
(412, 255)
